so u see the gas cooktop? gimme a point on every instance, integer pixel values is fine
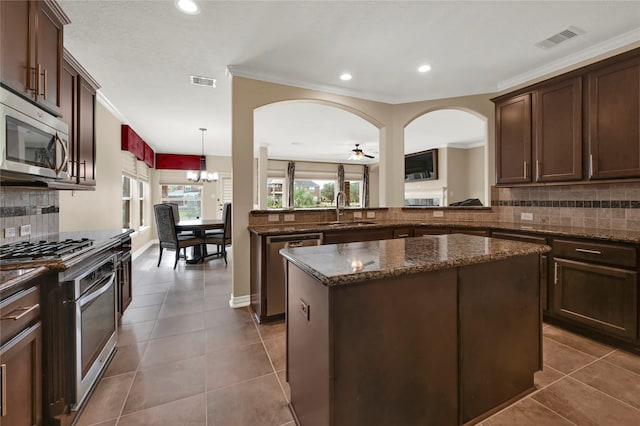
(27, 251)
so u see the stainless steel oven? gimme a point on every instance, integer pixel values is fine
(93, 322)
(34, 142)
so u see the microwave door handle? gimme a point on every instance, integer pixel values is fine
(65, 151)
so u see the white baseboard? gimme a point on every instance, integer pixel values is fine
(143, 248)
(239, 301)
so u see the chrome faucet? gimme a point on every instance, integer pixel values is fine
(338, 204)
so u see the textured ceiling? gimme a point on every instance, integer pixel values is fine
(142, 53)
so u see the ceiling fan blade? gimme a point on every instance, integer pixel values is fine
(369, 156)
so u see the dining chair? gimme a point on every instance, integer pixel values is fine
(222, 238)
(167, 234)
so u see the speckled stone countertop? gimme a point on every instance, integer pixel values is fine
(549, 230)
(102, 240)
(340, 264)
(16, 277)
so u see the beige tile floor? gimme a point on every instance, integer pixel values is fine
(185, 358)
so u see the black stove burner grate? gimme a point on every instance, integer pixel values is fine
(27, 250)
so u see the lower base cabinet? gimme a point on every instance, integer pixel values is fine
(21, 381)
(601, 297)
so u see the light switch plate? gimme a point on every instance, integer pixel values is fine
(438, 213)
(25, 230)
(9, 232)
(273, 218)
(357, 215)
(289, 217)
(526, 216)
(371, 215)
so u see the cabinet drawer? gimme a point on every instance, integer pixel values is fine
(595, 252)
(17, 312)
(519, 237)
(402, 233)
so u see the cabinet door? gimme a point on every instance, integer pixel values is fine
(86, 133)
(68, 104)
(15, 61)
(601, 297)
(513, 140)
(48, 38)
(419, 232)
(125, 284)
(558, 132)
(21, 382)
(614, 126)
(359, 235)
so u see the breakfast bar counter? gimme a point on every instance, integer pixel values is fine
(432, 330)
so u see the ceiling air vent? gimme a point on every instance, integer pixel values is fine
(203, 81)
(556, 39)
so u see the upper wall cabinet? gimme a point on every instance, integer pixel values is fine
(31, 58)
(614, 120)
(78, 107)
(513, 139)
(577, 126)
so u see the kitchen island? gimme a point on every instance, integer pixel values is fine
(435, 330)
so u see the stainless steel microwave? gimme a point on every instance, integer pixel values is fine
(34, 142)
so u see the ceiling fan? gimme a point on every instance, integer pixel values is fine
(358, 154)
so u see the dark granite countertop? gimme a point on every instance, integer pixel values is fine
(340, 264)
(16, 277)
(102, 240)
(550, 230)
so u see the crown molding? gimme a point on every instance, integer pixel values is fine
(607, 46)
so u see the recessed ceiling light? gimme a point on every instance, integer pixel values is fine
(187, 6)
(424, 68)
(345, 77)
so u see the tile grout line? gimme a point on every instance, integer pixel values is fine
(604, 393)
(146, 346)
(553, 411)
(273, 367)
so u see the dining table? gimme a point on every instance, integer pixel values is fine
(199, 228)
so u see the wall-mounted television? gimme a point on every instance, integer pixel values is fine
(421, 166)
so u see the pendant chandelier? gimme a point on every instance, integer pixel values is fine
(202, 174)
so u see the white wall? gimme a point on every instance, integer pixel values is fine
(99, 209)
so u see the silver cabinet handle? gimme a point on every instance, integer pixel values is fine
(3, 385)
(402, 235)
(25, 311)
(524, 168)
(555, 273)
(537, 169)
(588, 251)
(590, 165)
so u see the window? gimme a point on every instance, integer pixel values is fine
(126, 202)
(274, 193)
(187, 197)
(353, 191)
(142, 196)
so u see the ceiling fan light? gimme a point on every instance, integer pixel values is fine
(424, 68)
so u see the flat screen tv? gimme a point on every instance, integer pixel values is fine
(421, 166)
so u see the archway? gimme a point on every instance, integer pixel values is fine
(446, 158)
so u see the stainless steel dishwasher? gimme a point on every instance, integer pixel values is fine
(275, 290)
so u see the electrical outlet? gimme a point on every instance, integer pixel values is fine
(526, 216)
(371, 215)
(25, 230)
(9, 232)
(289, 217)
(357, 215)
(273, 218)
(438, 213)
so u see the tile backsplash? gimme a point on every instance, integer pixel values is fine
(36, 207)
(614, 206)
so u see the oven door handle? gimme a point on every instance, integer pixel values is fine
(86, 299)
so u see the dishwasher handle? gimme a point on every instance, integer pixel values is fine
(293, 238)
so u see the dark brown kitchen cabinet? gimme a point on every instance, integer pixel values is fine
(613, 115)
(544, 260)
(596, 285)
(350, 236)
(78, 105)
(513, 139)
(124, 276)
(21, 356)
(419, 232)
(31, 58)
(558, 131)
